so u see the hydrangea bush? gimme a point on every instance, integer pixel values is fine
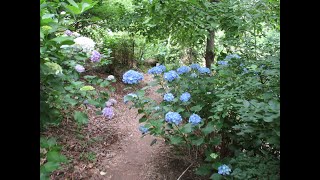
(218, 112)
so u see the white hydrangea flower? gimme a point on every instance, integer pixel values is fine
(76, 34)
(110, 77)
(85, 43)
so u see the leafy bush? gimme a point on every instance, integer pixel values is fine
(233, 109)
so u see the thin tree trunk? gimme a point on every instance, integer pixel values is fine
(209, 57)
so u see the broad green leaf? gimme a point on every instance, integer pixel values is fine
(51, 166)
(80, 117)
(216, 141)
(176, 139)
(140, 93)
(196, 108)
(214, 155)
(73, 3)
(187, 128)
(203, 170)
(197, 141)
(216, 176)
(143, 119)
(209, 128)
(161, 90)
(65, 40)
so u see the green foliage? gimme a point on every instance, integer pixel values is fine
(50, 157)
(239, 110)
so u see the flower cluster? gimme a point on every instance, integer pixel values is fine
(224, 63)
(173, 117)
(68, 33)
(132, 77)
(168, 97)
(183, 69)
(110, 77)
(171, 75)
(163, 67)
(224, 170)
(155, 70)
(195, 66)
(204, 70)
(185, 97)
(108, 112)
(86, 44)
(96, 56)
(233, 56)
(79, 68)
(194, 119)
(143, 129)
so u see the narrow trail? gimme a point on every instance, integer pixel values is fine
(134, 158)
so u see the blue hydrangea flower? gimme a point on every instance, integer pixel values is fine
(194, 119)
(143, 129)
(168, 97)
(183, 69)
(224, 63)
(163, 67)
(155, 70)
(204, 70)
(185, 97)
(245, 70)
(96, 56)
(233, 56)
(224, 170)
(171, 75)
(108, 112)
(173, 117)
(195, 66)
(241, 64)
(193, 75)
(132, 77)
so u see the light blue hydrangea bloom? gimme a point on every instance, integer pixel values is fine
(168, 97)
(194, 119)
(183, 69)
(224, 170)
(173, 117)
(155, 70)
(195, 66)
(224, 63)
(185, 97)
(245, 70)
(204, 70)
(143, 129)
(132, 77)
(233, 56)
(170, 76)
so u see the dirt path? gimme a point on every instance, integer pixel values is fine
(134, 158)
(121, 153)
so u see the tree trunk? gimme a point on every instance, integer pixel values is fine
(209, 57)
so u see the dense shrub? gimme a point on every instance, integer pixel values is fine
(219, 114)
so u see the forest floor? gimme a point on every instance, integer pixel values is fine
(115, 149)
